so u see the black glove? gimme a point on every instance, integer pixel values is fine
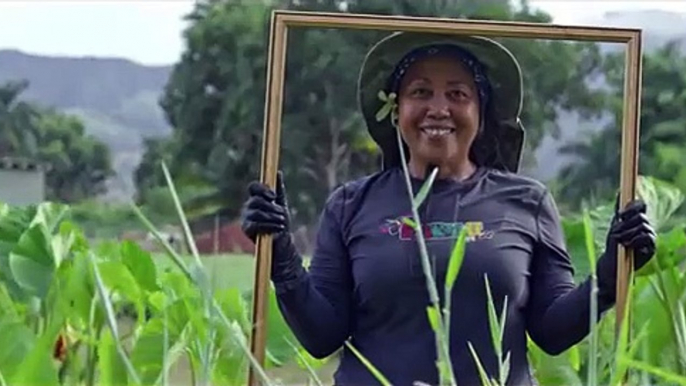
(632, 229)
(266, 212)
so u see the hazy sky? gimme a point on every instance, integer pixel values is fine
(149, 31)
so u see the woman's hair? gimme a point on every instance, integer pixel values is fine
(485, 149)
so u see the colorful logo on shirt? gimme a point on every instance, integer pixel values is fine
(404, 228)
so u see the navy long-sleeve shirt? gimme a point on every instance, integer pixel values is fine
(365, 281)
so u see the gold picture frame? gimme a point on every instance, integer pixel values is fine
(282, 20)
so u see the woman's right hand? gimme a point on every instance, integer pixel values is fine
(265, 211)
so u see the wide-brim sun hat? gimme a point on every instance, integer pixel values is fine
(501, 142)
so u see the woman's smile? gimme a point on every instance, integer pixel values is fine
(437, 132)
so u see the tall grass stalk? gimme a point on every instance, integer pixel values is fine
(454, 265)
(619, 371)
(440, 322)
(111, 319)
(202, 281)
(377, 374)
(497, 328)
(666, 375)
(312, 373)
(592, 377)
(443, 345)
(197, 275)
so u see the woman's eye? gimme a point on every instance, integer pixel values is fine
(420, 92)
(459, 94)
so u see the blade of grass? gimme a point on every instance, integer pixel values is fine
(165, 349)
(377, 374)
(425, 189)
(174, 352)
(497, 329)
(493, 320)
(434, 315)
(190, 240)
(592, 377)
(505, 369)
(111, 320)
(664, 374)
(619, 374)
(456, 259)
(482, 373)
(204, 283)
(442, 344)
(310, 370)
(454, 265)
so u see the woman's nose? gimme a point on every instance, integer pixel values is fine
(438, 107)
(438, 111)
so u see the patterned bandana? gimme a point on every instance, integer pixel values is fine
(464, 56)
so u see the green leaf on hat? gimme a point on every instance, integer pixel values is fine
(387, 107)
(383, 112)
(382, 96)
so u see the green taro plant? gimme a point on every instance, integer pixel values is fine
(65, 320)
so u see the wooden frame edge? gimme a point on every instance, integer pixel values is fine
(282, 19)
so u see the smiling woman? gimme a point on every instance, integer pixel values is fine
(447, 103)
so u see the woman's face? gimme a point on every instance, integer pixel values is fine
(438, 110)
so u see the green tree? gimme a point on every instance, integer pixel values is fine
(78, 165)
(215, 96)
(16, 119)
(662, 129)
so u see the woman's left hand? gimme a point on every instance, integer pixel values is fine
(632, 229)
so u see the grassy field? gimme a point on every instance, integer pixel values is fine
(232, 270)
(235, 270)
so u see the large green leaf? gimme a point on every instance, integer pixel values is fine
(649, 311)
(8, 307)
(118, 279)
(16, 342)
(662, 199)
(37, 368)
(32, 262)
(14, 220)
(50, 215)
(13, 223)
(573, 229)
(670, 252)
(74, 291)
(140, 264)
(148, 353)
(235, 307)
